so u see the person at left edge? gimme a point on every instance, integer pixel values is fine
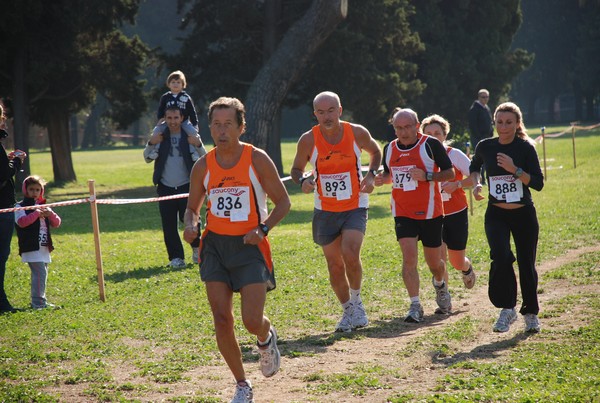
(171, 176)
(235, 255)
(9, 165)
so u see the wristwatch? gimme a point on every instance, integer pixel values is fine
(429, 176)
(518, 173)
(264, 228)
(373, 171)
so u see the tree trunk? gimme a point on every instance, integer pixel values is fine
(74, 128)
(284, 67)
(274, 142)
(91, 128)
(273, 10)
(531, 112)
(589, 107)
(20, 107)
(135, 131)
(550, 117)
(60, 146)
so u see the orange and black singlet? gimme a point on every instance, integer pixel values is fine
(338, 172)
(418, 200)
(236, 201)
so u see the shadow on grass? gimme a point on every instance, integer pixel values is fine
(381, 329)
(483, 352)
(142, 273)
(306, 345)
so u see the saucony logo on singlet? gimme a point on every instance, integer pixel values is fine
(338, 176)
(230, 191)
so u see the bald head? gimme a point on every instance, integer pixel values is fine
(406, 126)
(326, 96)
(406, 113)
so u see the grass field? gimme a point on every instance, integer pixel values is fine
(155, 326)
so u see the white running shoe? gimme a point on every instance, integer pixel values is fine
(415, 313)
(195, 254)
(507, 317)
(345, 323)
(532, 324)
(270, 357)
(243, 393)
(443, 299)
(469, 279)
(177, 263)
(358, 317)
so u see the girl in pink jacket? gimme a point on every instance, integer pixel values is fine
(35, 243)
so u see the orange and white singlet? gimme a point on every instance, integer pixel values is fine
(337, 172)
(418, 200)
(457, 200)
(236, 201)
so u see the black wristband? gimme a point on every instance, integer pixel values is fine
(303, 179)
(264, 228)
(373, 171)
(518, 173)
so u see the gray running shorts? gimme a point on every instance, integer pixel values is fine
(327, 225)
(227, 259)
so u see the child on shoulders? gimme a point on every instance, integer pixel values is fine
(177, 96)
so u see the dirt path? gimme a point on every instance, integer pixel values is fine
(381, 344)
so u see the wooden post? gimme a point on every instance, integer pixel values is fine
(96, 228)
(544, 148)
(573, 137)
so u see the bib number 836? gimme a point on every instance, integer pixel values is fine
(228, 203)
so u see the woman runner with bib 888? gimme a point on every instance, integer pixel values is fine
(512, 168)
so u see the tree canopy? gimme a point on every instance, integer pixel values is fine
(431, 55)
(55, 57)
(225, 51)
(467, 48)
(564, 35)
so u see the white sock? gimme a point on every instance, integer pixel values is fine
(354, 295)
(266, 343)
(347, 304)
(415, 299)
(438, 283)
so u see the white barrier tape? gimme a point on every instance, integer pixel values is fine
(97, 201)
(146, 200)
(540, 138)
(93, 199)
(65, 203)
(587, 127)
